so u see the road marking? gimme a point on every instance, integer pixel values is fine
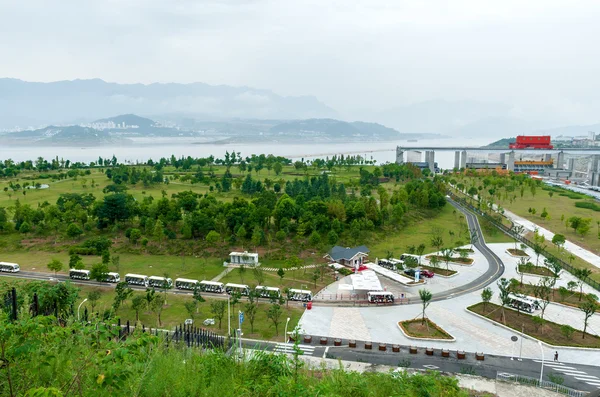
(593, 383)
(289, 348)
(325, 353)
(546, 362)
(570, 371)
(430, 366)
(586, 377)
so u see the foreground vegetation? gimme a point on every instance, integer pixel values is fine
(43, 359)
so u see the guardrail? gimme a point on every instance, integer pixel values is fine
(547, 385)
(508, 231)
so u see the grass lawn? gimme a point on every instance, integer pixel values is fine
(549, 332)
(420, 231)
(536, 270)
(439, 270)
(457, 260)
(427, 330)
(574, 261)
(157, 265)
(492, 234)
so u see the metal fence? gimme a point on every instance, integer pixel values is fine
(547, 385)
(510, 232)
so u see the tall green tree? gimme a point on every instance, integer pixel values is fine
(274, 314)
(425, 296)
(55, 265)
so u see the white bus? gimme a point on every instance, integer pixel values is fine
(380, 297)
(77, 274)
(243, 289)
(112, 277)
(186, 283)
(9, 267)
(391, 264)
(268, 292)
(523, 303)
(211, 286)
(136, 279)
(300, 295)
(160, 282)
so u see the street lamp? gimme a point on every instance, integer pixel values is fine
(79, 307)
(285, 340)
(542, 369)
(228, 319)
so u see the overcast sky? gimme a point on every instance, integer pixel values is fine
(540, 56)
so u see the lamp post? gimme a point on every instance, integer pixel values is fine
(79, 307)
(285, 340)
(542, 369)
(228, 318)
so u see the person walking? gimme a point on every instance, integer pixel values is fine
(556, 356)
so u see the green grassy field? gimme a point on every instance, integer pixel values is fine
(421, 231)
(174, 313)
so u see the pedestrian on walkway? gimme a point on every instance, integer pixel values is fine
(555, 356)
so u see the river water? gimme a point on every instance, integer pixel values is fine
(140, 152)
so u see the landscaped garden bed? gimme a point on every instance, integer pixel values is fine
(467, 250)
(426, 330)
(549, 332)
(517, 252)
(536, 270)
(440, 271)
(566, 297)
(455, 259)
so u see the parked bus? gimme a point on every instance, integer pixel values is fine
(9, 267)
(186, 283)
(268, 292)
(211, 286)
(380, 297)
(391, 264)
(77, 274)
(523, 303)
(136, 279)
(243, 289)
(300, 295)
(160, 282)
(112, 277)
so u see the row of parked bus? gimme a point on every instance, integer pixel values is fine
(189, 284)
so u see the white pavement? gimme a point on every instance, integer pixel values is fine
(379, 324)
(575, 249)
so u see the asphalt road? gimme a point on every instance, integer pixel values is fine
(575, 376)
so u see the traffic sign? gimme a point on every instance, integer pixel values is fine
(241, 317)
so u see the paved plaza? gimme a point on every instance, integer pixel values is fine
(379, 324)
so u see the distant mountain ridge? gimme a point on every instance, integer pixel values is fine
(66, 102)
(335, 129)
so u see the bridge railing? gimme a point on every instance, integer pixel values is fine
(544, 384)
(464, 201)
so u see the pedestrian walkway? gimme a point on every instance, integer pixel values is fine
(274, 269)
(288, 348)
(223, 274)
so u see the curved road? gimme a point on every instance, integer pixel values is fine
(496, 266)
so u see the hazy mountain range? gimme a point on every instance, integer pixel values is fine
(251, 112)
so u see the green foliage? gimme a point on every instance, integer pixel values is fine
(99, 271)
(55, 265)
(588, 204)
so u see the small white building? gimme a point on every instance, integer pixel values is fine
(243, 258)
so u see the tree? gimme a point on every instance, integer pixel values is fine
(156, 306)
(437, 241)
(75, 262)
(159, 232)
(122, 292)
(425, 300)
(447, 256)
(522, 267)
(559, 240)
(434, 261)
(134, 236)
(55, 265)
(259, 275)
(588, 307)
(241, 232)
(420, 251)
(314, 239)
(315, 277)
(74, 231)
(567, 331)
(281, 274)
(517, 230)
(581, 275)
(504, 287)
(277, 167)
(274, 314)
(486, 297)
(93, 297)
(213, 237)
(217, 309)
(99, 272)
(584, 226)
(190, 307)
(250, 310)
(116, 262)
(542, 290)
(138, 303)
